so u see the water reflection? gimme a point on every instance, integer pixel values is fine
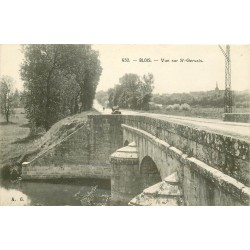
(57, 193)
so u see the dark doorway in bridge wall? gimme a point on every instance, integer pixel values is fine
(126, 143)
(149, 173)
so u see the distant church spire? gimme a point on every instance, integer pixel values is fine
(216, 88)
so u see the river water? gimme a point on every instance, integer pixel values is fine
(56, 193)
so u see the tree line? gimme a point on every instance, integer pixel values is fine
(203, 99)
(59, 80)
(206, 99)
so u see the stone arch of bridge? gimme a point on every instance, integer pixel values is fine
(149, 174)
(166, 164)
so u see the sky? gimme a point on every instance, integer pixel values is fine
(170, 77)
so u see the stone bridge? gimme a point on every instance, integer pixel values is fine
(153, 160)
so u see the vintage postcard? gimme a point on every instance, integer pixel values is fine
(136, 125)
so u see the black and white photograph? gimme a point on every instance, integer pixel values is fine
(124, 125)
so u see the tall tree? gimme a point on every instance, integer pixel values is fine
(16, 99)
(145, 89)
(59, 80)
(133, 92)
(6, 96)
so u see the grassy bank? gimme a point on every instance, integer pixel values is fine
(17, 145)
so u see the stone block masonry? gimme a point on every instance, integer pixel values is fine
(228, 154)
(49, 172)
(83, 154)
(125, 177)
(201, 184)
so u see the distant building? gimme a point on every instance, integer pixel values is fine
(216, 91)
(216, 88)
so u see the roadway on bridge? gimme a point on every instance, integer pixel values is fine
(237, 130)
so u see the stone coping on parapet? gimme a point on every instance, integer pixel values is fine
(234, 146)
(231, 185)
(221, 180)
(232, 130)
(238, 131)
(221, 141)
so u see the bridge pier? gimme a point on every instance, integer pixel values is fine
(125, 175)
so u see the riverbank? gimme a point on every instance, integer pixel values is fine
(17, 145)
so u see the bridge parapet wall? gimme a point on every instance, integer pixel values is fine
(228, 154)
(201, 184)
